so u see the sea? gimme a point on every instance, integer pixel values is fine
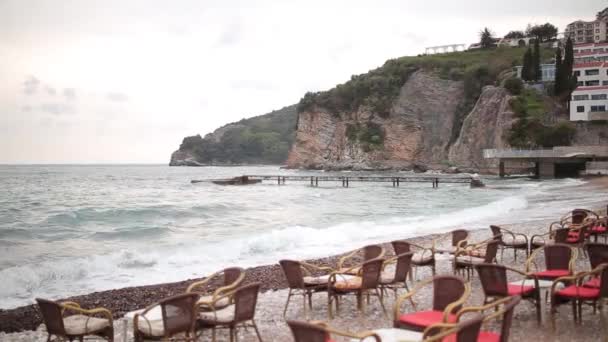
(74, 229)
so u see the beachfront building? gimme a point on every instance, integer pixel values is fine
(590, 52)
(589, 100)
(548, 72)
(582, 32)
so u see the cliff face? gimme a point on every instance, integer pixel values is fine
(416, 131)
(483, 128)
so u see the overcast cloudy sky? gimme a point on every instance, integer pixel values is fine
(124, 81)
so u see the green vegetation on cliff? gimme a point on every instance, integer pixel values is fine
(263, 139)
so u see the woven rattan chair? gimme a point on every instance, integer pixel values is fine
(577, 293)
(301, 282)
(449, 293)
(559, 262)
(423, 256)
(466, 258)
(321, 332)
(465, 331)
(229, 278)
(178, 320)
(81, 323)
(557, 233)
(510, 240)
(358, 257)
(598, 254)
(398, 278)
(496, 286)
(366, 283)
(458, 238)
(238, 315)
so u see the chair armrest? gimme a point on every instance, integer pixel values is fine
(90, 312)
(452, 306)
(308, 266)
(203, 282)
(408, 295)
(343, 259)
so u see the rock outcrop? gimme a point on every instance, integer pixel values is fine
(183, 158)
(418, 130)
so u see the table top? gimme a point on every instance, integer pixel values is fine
(394, 335)
(530, 282)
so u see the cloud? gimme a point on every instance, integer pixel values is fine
(253, 85)
(117, 97)
(56, 108)
(69, 93)
(231, 36)
(30, 85)
(50, 90)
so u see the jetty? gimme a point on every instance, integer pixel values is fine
(346, 181)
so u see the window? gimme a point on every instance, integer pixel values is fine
(598, 108)
(591, 72)
(597, 37)
(592, 83)
(580, 97)
(577, 73)
(580, 83)
(580, 109)
(604, 82)
(598, 97)
(597, 30)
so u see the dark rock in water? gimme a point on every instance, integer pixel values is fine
(476, 182)
(451, 170)
(419, 168)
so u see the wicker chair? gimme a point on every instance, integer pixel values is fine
(465, 331)
(321, 332)
(449, 293)
(423, 257)
(230, 278)
(366, 283)
(466, 258)
(458, 238)
(577, 293)
(82, 323)
(301, 282)
(510, 240)
(398, 279)
(496, 286)
(178, 318)
(557, 233)
(237, 315)
(358, 257)
(559, 262)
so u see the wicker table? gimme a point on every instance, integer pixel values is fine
(155, 314)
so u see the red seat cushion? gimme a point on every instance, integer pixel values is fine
(574, 291)
(552, 274)
(514, 290)
(484, 336)
(595, 282)
(572, 239)
(425, 318)
(598, 229)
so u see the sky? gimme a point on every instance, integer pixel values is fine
(124, 81)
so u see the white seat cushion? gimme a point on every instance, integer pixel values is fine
(81, 324)
(225, 315)
(321, 280)
(204, 303)
(150, 327)
(422, 257)
(387, 277)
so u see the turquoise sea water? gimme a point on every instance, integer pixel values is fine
(67, 230)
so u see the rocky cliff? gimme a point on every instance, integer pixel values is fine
(419, 131)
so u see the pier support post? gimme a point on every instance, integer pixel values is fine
(312, 181)
(501, 169)
(347, 182)
(397, 181)
(316, 181)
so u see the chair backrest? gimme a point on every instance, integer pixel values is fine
(401, 246)
(579, 215)
(52, 316)
(557, 256)
(598, 253)
(404, 264)
(491, 251)
(371, 252)
(370, 273)
(493, 279)
(468, 331)
(293, 273)
(179, 313)
(604, 283)
(307, 332)
(245, 300)
(459, 235)
(507, 318)
(560, 235)
(446, 290)
(232, 274)
(496, 232)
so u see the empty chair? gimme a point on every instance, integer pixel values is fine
(81, 323)
(178, 318)
(496, 286)
(510, 240)
(301, 282)
(365, 283)
(238, 315)
(559, 261)
(358, 257)
(458, 238)
(397, 279)
(321, 332)
(230, 279)
(422, 257)
(483, 252)
(465, 331)
(503, 308)
(557, 233)
(449, 293)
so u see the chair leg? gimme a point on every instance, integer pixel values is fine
(257, 332)
(538, 307)
(574, 311)
(310, 300)
(287, 303)
(329, 306)
(382, 305)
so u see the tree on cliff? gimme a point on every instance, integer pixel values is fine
(527, 69)
(542, 32)
(565, 80)
(536, 69)
(486, 38)
(559, 74)
(515, 34)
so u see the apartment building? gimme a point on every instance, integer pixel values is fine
(590, 98)
(590, 52)
(582, 32)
